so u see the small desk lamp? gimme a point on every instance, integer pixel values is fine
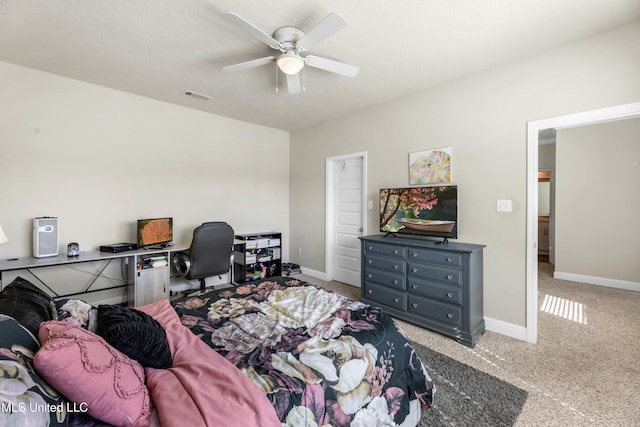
(3, 238)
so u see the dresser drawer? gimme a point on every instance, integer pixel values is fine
(386, 296)
(440, 274)
(453, 259)
(436, 310)
(393, 280)
(395, 265)
(436, 286)
(386, 250)
(450, 294)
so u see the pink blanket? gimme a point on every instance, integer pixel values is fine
(202, 388)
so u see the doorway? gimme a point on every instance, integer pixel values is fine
(620, 112)
(546, 216)
(346, 183)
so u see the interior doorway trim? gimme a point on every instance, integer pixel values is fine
(331, 164)
(618, 112)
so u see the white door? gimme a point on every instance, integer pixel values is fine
(345, 217)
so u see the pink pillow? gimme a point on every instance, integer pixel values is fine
(88, 371)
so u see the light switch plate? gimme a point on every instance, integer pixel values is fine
(503, 206)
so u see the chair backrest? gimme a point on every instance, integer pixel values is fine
(211, 248)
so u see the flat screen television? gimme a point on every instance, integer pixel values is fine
(154, 231)
(421, 211)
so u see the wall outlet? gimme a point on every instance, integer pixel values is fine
(503, 206)
(299, 251)
(370, 204)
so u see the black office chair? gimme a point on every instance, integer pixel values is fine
(209, 254)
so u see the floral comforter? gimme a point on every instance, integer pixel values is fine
(320, 358)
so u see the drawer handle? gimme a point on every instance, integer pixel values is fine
(370, 291)
(396, 266)
(449, 259)
(449, 277)
(395, 282)
(450, 315)
(415, 254)
(396, 300)
(370, 261)
(415, 270)
(414, 286)
(450, 295)
(370, 247)
(369, 275)
(414, 305)
(395, 252)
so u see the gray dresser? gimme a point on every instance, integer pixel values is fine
(434, 285)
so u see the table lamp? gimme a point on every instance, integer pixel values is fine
(3, 238)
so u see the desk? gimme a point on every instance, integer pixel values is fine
(145, 285)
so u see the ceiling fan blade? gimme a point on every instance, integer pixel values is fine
(293, 83)
(249, 64)
(332, 66)
(254, 31)
(329, 25)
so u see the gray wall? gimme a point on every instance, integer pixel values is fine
(99, 159)
(547, 156)
(483, 119)
(598, 200)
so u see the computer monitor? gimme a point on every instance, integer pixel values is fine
(154, 231)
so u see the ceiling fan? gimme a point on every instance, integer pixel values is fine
(292, 42)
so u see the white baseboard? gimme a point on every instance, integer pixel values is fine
(178, 284)
(313, 273)
(105, 301)
(600, 281)
(504, 328)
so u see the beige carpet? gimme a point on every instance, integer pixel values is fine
(585, 368)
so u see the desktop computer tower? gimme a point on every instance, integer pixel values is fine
(45, 237)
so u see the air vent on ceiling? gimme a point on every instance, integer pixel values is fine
(196, 95)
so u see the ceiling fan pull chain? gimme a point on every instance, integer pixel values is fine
(276, 79)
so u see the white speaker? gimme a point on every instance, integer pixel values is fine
(45, 237)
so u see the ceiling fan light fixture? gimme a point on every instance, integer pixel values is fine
(290, 63)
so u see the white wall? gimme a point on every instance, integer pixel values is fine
(99, 159)
(544, 198)
(598, 200)
(483, 119)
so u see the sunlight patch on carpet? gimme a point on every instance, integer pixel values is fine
(567, 309)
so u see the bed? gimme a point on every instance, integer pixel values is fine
(287, 353)
(319, 358)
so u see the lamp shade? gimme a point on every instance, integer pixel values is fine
(3, 238)
(290, 63)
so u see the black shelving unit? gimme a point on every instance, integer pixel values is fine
(257, 256)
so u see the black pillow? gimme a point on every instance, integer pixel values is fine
(135, 334)
(27, 304)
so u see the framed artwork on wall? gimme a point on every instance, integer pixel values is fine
(430, 166)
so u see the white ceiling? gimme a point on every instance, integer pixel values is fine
(160, 48)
